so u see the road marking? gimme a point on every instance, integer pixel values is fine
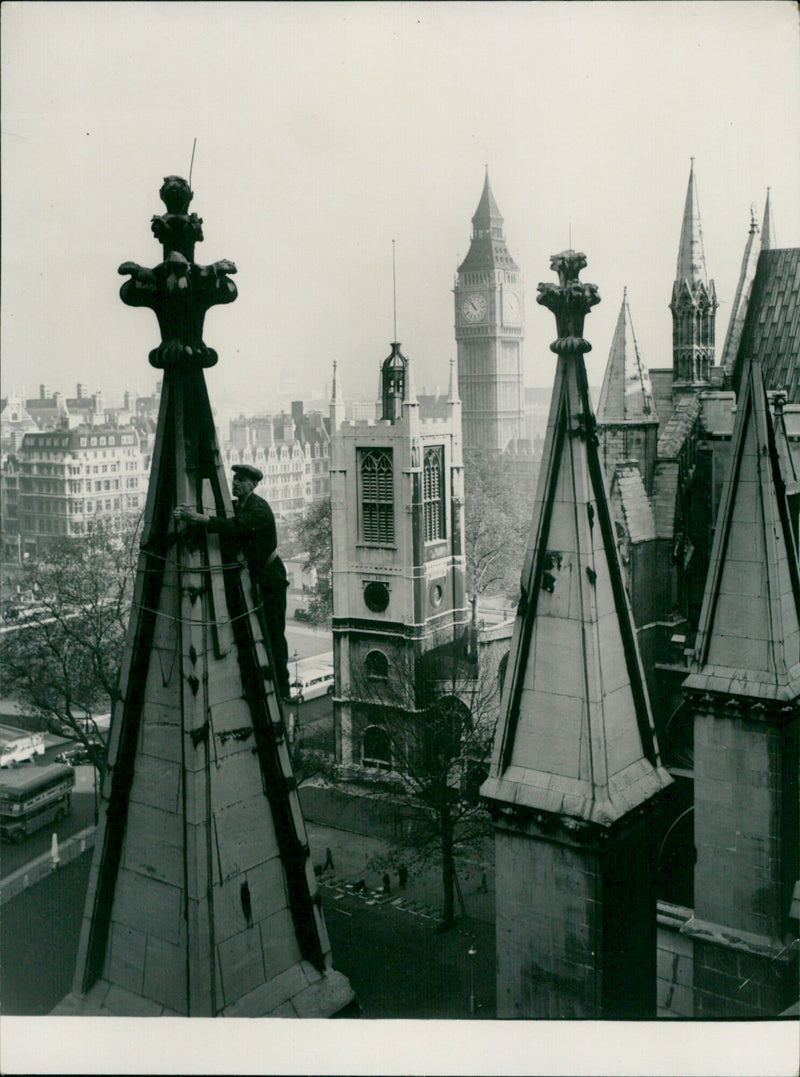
(343, 912)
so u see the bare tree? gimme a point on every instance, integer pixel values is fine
(62, 660)
(498, 511)
(435, 715)
(313, 534)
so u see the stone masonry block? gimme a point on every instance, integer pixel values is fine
(148, 905)
(266, 885)
(241, 963)
(278, 942)
(154, 844)
(156, 782)
(165, 974)
(125, 957)
(245, 836)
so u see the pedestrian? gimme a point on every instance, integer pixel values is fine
(402, 876)
(387, 884)
(328, 859)
(253, 529)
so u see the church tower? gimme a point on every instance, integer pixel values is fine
(490, 326)
(575, 774)
(398, 551)
(694, 302)
(743, 693)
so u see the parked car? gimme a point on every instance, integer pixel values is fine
(311, 683)
(75, 756)
(301, 614)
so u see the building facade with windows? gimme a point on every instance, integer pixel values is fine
(398, 560)
(68, 478)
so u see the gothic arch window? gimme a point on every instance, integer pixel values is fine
(377, 496)
(377, 665)
(376, 748)
(433, 494)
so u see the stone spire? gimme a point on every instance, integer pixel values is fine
(202, 900)
(337, 404)
(748, 639)
(487, 249)
(691, 256)
(741, 299)
(768, 231)
(626, 395)
(694, 302)
(452, 392)
(487, 216)
(626, 415)
(575, 758)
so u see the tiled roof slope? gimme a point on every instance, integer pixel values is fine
(626, 395)
(679, 427)
(629, 497)
(575, 736)
(665, 497)
(748, 640)
(771, 333)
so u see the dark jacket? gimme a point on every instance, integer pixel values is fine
(253, 530)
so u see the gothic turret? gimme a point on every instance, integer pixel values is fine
(768, 231)
(393, 384)
(626, 414)
(694, 302)
(575, 768)
(337, 404)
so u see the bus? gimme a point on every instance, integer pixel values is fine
(32, 797)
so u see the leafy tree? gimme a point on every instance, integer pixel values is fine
(437, 716)
(313, 532)
(63, 659)
(498, 508)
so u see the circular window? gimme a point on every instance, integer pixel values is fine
(436, 595)
(376, 596)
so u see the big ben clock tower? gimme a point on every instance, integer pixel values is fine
(490, 320)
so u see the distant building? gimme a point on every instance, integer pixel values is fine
(292, 451)
(67, 478)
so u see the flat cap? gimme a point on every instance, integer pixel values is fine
(247, 471)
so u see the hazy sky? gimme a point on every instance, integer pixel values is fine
(324, 131)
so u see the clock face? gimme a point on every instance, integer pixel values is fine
(511, 307)
(474, 307)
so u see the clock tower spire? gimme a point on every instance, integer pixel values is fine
(489, 324)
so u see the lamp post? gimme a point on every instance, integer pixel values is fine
(471, 955)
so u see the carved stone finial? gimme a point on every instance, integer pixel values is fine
(179, 291)
(570, 300)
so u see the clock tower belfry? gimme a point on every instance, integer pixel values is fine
(490, 327)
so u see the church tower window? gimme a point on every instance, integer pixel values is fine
(432, 494)
(377, 497)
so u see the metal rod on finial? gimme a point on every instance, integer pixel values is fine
(191, 163)
(394, 292)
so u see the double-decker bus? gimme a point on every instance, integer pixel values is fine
(33, 796)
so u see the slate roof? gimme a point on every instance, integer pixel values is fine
(665, 497)
(679, 427)
(771, 333)
(575, 735)
(748, 639)
(626, 395)
(629, 496)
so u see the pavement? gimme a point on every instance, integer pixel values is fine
(354, 856)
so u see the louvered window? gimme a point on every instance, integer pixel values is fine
(433, 489)
(377, 497)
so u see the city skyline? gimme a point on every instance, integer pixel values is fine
(587, 132)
